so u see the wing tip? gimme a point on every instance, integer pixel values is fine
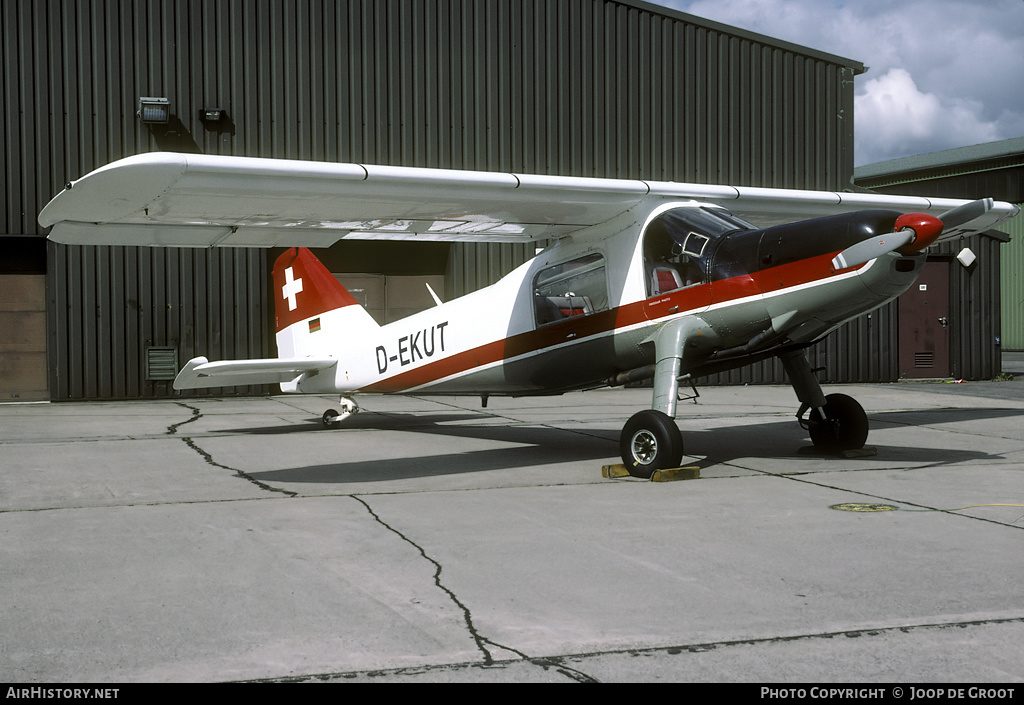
(186, 378)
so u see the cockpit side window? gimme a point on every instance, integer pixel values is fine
(578, 287)
(694, 245)
(678, 245)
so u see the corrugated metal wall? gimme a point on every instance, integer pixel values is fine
(1012, 268)
(974, 309)
(73, 71)
(110, 305)
(998, 290)
(986, 313)
(574, 87)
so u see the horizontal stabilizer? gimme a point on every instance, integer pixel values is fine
(199, 373)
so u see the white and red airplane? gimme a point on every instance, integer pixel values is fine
(642, 279)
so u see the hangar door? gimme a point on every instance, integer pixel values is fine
(924, 324)
(389, 298)
(23, 372)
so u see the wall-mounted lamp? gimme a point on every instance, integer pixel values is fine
(213, 115)
(966, 257)
(154, 111)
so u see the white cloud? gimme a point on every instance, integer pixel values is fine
(894, 118)
(943, 73)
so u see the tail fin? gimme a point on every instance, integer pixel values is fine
(313, 311)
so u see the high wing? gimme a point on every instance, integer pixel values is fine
(201, 200)
(199, 373)
(192, 200)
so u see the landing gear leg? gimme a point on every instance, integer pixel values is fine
(333, 419)
(837, 422)
(650, 439)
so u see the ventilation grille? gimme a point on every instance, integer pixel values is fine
(924, 360)
(161, 363)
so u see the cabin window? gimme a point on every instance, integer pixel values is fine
(578, 287)
(678, 244)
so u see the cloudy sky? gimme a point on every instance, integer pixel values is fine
(943, 73)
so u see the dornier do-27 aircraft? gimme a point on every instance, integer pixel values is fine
(642, 279)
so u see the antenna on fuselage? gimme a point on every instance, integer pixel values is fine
(437, 299)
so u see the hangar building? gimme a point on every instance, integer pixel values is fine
(986, 302)
(609, 88)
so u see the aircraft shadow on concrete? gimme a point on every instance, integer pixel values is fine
(540, 445)
(366, 420)
(535, 445)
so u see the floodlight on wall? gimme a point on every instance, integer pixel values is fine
(966, 257)
(213, 115)
(154, 111)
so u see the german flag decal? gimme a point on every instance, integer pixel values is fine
(314, 325)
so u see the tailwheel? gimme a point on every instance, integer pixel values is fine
(650, 441)
(333, 418)
(845, 426)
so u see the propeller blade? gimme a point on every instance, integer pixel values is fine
(866, 250)
(918, 229)
(966, 213)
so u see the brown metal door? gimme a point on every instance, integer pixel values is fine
(924, 324)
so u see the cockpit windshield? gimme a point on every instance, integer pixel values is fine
(678, 245)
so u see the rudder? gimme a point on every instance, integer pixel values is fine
(312, 309)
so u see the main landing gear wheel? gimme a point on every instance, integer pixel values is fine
(650, 441)
(845, 426)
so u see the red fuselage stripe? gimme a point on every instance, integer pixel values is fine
(692, 298)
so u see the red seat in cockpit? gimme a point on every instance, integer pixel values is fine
(666, 279)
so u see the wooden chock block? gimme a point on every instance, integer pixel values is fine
(691, 472)
(614, 471)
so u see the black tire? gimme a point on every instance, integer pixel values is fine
(650, 441)
(327, 421)
(844, 428)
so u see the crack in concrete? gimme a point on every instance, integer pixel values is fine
(239, 473)
(849, 633)
(484, 644)
(198, 414)
(466, 614)
(558, 662)
(558, 665)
